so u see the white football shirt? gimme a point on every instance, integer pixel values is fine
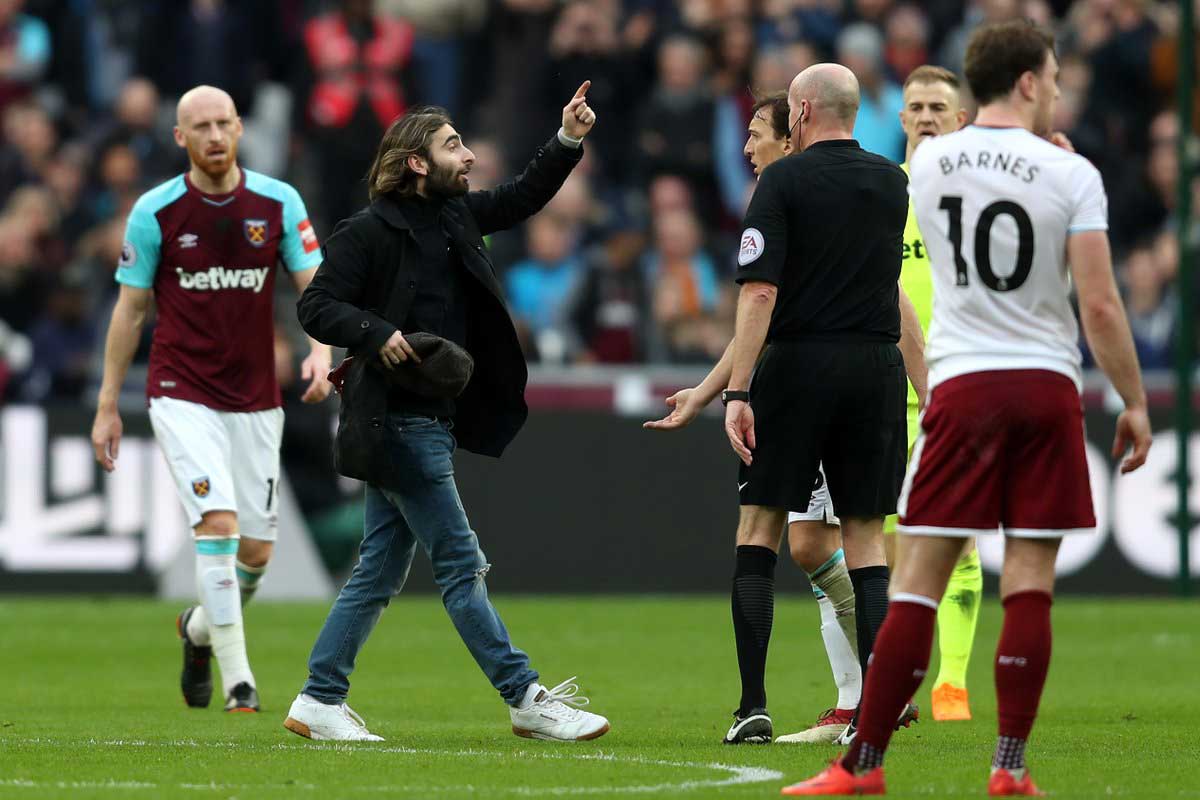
(996, 206)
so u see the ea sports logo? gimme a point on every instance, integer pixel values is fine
(751, 247)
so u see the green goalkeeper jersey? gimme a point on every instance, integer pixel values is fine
(916, 276)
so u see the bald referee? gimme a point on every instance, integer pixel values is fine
(819, 265)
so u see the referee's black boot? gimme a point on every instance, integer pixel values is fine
(196, 679)
(752, 727)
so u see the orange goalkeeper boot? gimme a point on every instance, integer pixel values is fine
(950, 703)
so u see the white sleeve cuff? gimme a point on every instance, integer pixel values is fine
(569, 141)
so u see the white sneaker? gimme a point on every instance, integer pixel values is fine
(313, 719)
(556, 714)
(828, 729)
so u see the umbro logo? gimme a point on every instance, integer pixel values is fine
(188, 240)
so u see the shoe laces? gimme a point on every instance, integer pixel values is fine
(830, 717)
(353, 716)
(564, 699)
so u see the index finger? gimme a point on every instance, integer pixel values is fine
(408, 351)
(109, 456)
(1119, 443)
(99, 449)
(735, 440)
(1137, 458)
(582, 90)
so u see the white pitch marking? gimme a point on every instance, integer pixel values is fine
(21, 783)
(737, 775)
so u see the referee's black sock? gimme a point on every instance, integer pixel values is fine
(753, 602)
(870, 605)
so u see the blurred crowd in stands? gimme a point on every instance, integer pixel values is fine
(631, 263)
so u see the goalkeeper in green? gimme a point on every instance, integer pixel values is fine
(932, 107)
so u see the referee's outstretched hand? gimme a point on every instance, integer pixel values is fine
(739, 427)
(685, 406)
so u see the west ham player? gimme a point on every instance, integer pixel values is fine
(1004, 212)
(932, 107)
(205, 245)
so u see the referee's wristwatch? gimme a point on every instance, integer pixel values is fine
(728, 395)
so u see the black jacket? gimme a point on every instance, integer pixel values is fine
(366, 284)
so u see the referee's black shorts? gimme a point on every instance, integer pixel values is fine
(840, 404)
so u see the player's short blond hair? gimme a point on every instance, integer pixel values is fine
(928, 73)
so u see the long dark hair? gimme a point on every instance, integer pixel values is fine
(410, 135)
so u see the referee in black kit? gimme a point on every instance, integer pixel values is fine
(819, 265)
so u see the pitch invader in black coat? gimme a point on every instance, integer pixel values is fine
(415, 261)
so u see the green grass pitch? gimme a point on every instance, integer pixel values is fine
(90, 706)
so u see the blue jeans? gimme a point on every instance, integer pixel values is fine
(426, 509)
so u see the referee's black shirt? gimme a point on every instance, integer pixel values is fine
(826, 227)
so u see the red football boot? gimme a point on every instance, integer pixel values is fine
(1003, 784)
(836, 780)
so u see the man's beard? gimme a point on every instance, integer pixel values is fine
(212, 170)
(444, 182)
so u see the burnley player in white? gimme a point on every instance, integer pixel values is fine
(205, 246)
(1004, 212)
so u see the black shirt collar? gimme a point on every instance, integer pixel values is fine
(834, 143)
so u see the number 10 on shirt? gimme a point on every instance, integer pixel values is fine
(952, 205)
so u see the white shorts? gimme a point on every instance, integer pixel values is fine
(820, 506)
(222, 461)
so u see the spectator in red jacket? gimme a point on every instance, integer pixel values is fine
(351, 89)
